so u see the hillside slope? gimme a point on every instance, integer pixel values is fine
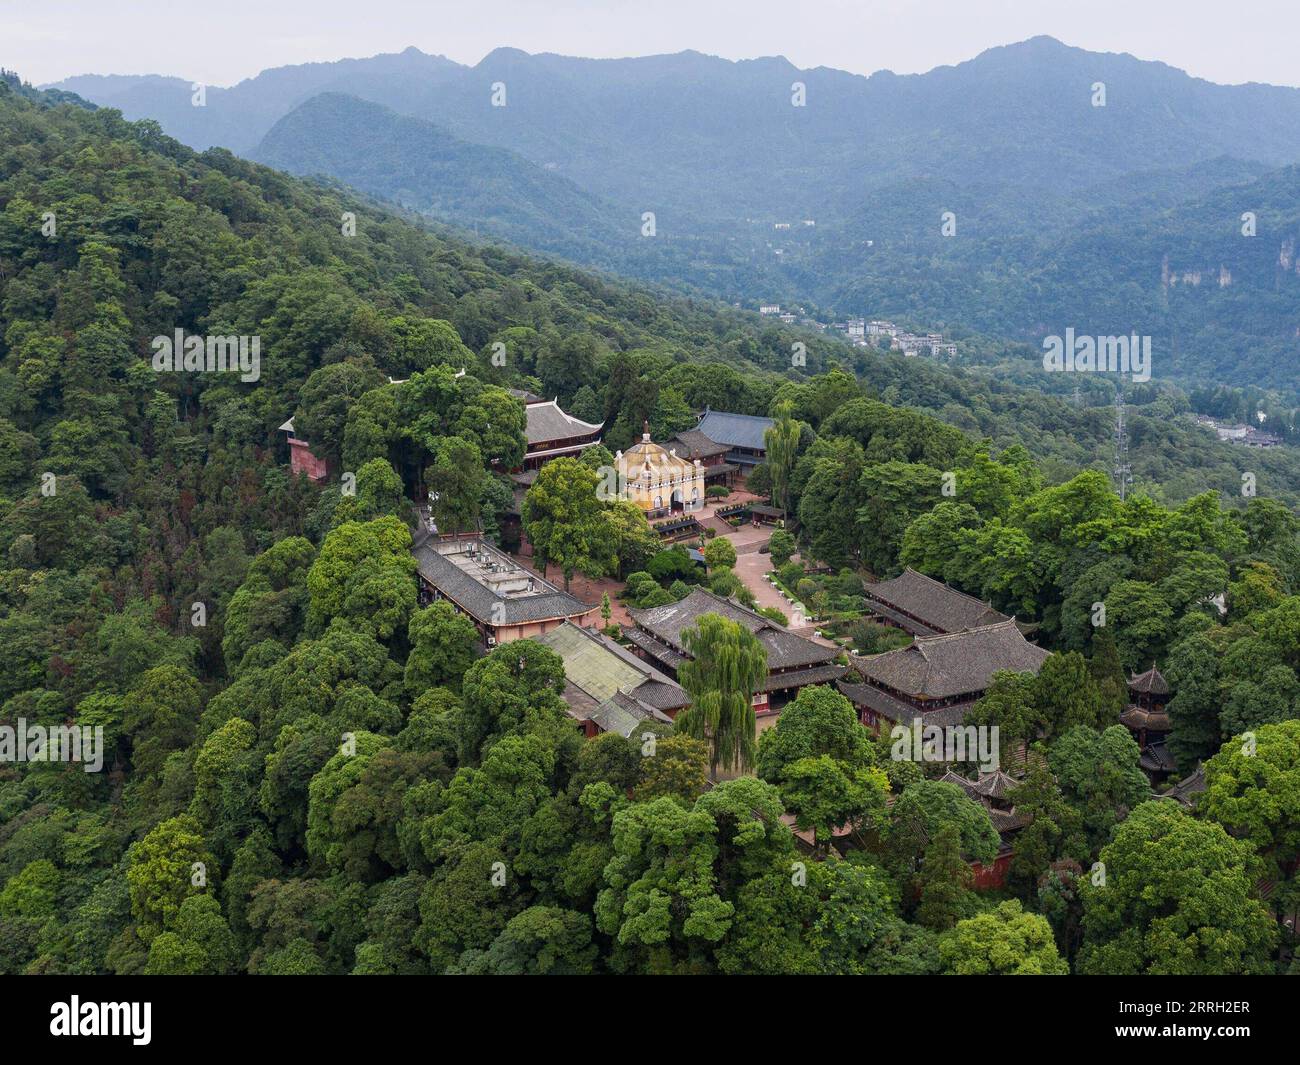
(1066, 213)
(424, 168)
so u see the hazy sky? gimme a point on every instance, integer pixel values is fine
(220, 42)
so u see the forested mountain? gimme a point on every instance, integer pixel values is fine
(1066, 214)
(418, 165)
(686, 133)
(306, 771)
(1219, 303)
(238, 117)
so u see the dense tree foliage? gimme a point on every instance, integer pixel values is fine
(307, 771)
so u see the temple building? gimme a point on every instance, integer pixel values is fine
(991, 792)
(607, 687)
(694, 445)
(504, 600)
(923, 606)
(658, 481)
(551, 433)
(742, 434)
(792, 661)
(938, 678)
(1187, 789)
(1148, 720)
(301, 457)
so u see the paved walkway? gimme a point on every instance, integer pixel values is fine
(752, 569)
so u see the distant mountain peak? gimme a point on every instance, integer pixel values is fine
(505, 53)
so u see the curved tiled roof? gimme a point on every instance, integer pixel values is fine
(735, 430)
(1186, 790)
(622, 713)
(938, 606)
(693, 444)
(784, 648)
(959, 663)
(546, 422)
(1135, 717)
(990, 786)
(1156, 758)
(885, 705)
(1152, 682)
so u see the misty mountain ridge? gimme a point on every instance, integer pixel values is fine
(1061, 207)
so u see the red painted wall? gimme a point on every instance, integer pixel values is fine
(301, 460)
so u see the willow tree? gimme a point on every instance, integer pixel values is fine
(781, 441)
(726, 667)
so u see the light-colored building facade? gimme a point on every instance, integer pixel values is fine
(659, 481)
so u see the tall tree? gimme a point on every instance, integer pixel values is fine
(1005, 941)
(456, 481)
(1252, 788)
(945, 881)
(1174, 896)
(565, 520)
(727, 665)
(781, 439)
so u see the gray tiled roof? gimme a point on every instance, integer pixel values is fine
(1155, 758)
(938, 606)
(662, 695)
(994, 785)
(990, 786)
(546, 422)
(735, 430)
(941, 667)
(784, 648)
(916, 628)
(480, 601)
(601, 668)
(1186, 790)
(885, 705)
(1151, 682)
(799, 678)
(693, 444)
(581, 705)
(660, 652)
(622, 713)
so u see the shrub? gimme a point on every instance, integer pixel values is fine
(782, 546)
(846, 582)
(725, 583)
(636, 581)
(719, 554)
(673, 564)
(790, 574)
(758, 480)
(654, 596)
(872, 638)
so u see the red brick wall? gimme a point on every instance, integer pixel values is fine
(991, 876)
(301, 460)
